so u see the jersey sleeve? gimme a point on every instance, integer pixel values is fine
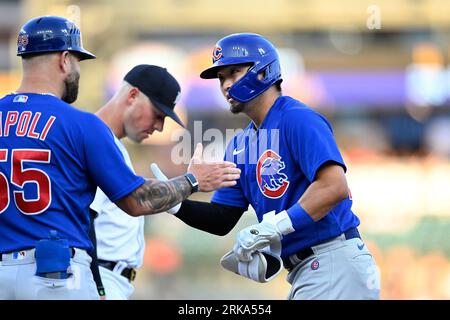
(311, 141)
(105, 163)
(232, 196)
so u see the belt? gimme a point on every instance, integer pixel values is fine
(306, 252)
(72, 252)
(129, 273)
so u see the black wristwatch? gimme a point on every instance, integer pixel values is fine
(192, 181)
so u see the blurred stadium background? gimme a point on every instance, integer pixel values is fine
(378, 69)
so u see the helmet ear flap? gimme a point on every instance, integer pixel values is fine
(273, 71)
(252, 84)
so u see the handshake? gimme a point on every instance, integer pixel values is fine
(210, 176)
(256, 253)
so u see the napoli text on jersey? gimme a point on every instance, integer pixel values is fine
(278, 162)
(52, 158)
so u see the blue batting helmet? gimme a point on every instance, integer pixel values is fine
(242, 48)
(51, 34)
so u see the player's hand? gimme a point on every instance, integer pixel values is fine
(162, 177)
(254, 238)
(268, 232)
(212, 175)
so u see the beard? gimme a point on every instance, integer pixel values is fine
(237, 107)
(71, 88)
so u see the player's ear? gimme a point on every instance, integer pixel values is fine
(64, 61)
(132, 95)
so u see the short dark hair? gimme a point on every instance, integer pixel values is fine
(32, 55)
(278, 85)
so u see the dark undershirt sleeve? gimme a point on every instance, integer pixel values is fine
(213, 218)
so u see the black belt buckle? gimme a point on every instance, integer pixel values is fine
(132, 275)
(128, 273)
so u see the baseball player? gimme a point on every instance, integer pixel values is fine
(293, 176)
(147, 94)
(52, 158)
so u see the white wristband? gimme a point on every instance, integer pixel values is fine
(281, 221)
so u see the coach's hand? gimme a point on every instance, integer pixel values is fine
(268, 232)
(162, 177)
(212, 175)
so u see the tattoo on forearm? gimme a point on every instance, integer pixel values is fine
(158, 196)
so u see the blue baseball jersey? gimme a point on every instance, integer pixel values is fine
(52, 158)
(278, 162)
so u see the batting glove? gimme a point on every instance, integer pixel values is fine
(268, 232)
(263, 267)
(162, 177)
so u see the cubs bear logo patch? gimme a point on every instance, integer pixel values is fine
(271, 181)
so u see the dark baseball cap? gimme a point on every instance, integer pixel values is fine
(158, 85)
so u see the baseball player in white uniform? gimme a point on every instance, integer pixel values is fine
(120, 237)
(120, 243)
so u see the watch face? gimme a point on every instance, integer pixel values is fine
(192, 181)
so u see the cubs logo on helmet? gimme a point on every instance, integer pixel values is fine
(272, 183)
(217, 53)
(22, 41)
